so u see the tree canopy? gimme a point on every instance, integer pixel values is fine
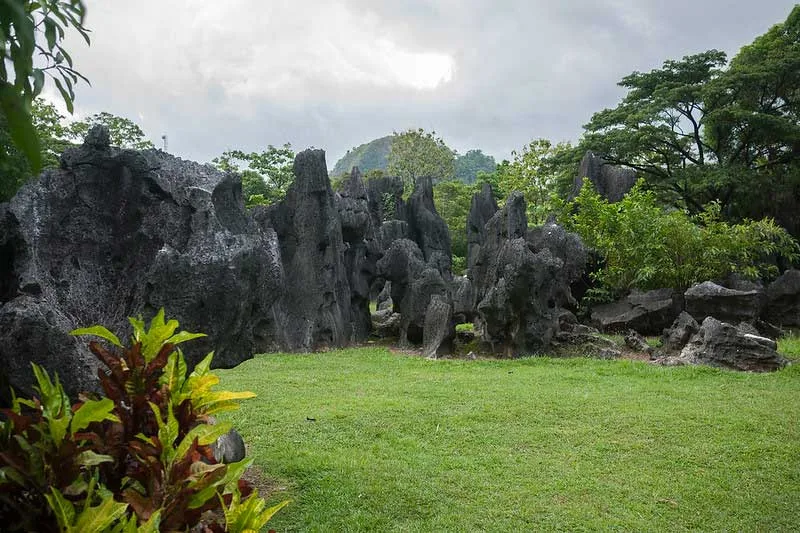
(701, 129)
(266, 175)
(417, 153)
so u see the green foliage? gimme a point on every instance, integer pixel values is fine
(267, 175)
(416, 154)
(123, 132)
(536, 172)
(468, 166)
(698, 130)
(367, 157)
(27, 28)
(646, 247)
(452, 200)
(137, 459)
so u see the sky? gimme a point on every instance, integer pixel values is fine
(214, 75)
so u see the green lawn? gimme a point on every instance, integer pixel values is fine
(367, 440)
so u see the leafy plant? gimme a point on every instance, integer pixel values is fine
(645, 246)
(138, 457)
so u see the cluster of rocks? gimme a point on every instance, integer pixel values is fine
(612, 182)
(115, 233)
(730, 324)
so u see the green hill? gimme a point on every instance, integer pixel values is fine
(368, 156)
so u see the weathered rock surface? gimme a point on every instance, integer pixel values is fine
(722, 345)
(361, 253)
(414, 283)
(463, 296)
(385, 196)
(229, 448)
(783, 300)
(611, 181)
(521, 279)
(482, 208)
(730, 305)
(317, 307)
(649, 313)
(428, 229)
(678, 334)
(439, 328)
(635, 341)
(117, 233)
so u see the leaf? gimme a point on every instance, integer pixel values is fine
(184, 336)
(62, 508)
(98, 519)
(98, 331)
(20, 125)
(92, 411)
(90, 458)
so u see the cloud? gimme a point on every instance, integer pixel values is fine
(337, 73)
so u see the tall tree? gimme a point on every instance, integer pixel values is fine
(657, 129)
(417, 153)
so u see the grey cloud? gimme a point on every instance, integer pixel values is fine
(244, 74)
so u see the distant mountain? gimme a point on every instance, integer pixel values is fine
(374, 154)
(369, 156)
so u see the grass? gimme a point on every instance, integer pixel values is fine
(367, 440)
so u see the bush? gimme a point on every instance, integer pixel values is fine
(644, 246)
(137, 458)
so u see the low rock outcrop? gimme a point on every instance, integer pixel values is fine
(783, 300)
(729, 305)
(116, 233)
(649, 313)
(723, 345)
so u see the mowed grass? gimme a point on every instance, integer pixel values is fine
(368, 440)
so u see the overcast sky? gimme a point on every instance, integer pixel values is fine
(491, 74)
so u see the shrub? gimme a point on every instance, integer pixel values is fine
(644, 246)
(137, 458)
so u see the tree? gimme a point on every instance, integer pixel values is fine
(123, 132)
(33, 28)
(757, 127)
(453, 199)
(468, 165)
(267, 175)
(535, 172)
(53, 136)
(699, 130)
(657, 129)
(416, 153)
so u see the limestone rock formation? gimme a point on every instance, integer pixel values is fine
(317, 308)
(649, 312)
(117, 233)
(428, 229)
(682, 329)
(611, 181)
(723, 345)
(482, 208)
(730, 305)
(414, 283)
(361, 253)
(522, 278)
(783, 300)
